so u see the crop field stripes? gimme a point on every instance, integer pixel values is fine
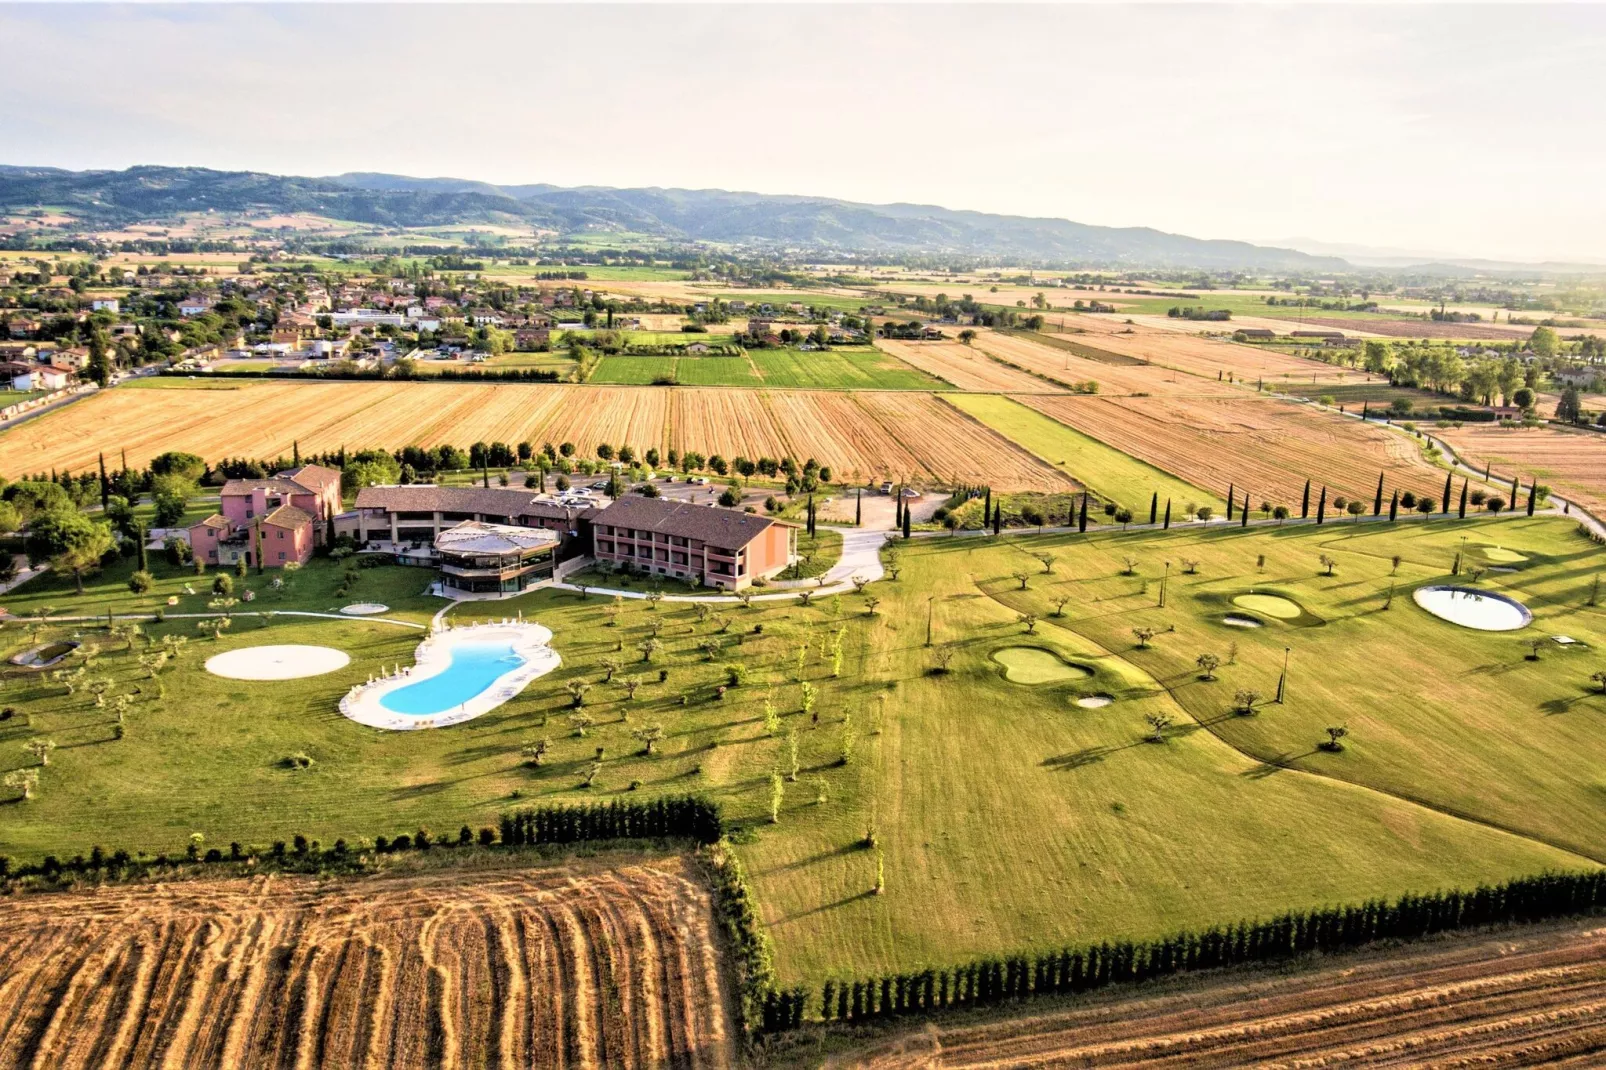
(565, 966)
(1103, 356)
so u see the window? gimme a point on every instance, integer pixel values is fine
(281, 555)
(281, 533)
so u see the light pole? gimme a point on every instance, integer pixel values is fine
(930, 609)
(1163, 580)
(1282, 681)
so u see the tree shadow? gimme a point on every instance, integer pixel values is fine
(1552, 707)
(1271, 767)
(822, 856)
(823, 907)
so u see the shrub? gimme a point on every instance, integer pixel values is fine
(141, 582)
(298, 760)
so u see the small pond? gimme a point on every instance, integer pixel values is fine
(1470, 608)
(1270, 605)
(1034, 665)
(1093, 702)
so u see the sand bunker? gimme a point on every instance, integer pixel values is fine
(289, 662)
(1093, 702)
(1238, 620)
(1484, 611)
(364, 609)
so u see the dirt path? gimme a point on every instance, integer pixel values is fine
(1516, 997)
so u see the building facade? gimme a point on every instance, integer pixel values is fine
(283, 518)
(703, 544)
(479, 558)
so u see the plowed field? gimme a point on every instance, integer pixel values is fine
(1113, 378)
(967, 367)
(1573, 462)
(576, 965)
(1264, 446)
(908, 434)
(1513, 998)
(1203, 357)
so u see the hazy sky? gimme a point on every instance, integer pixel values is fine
(1478, 130)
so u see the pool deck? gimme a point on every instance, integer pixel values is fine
(434, 656)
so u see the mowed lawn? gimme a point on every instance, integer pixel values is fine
(857, 368)
(1008, 817)
(1105, 470)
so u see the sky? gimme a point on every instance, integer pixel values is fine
(1468, 130)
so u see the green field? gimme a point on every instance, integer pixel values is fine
(1106, 471)
(1008, 817)
(714, 371)
(844, 368)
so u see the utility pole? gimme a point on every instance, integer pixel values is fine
(1163, 581)
(1282, 681)
(929, 611)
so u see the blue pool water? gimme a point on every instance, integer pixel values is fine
(474, 667)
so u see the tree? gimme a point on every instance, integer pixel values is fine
(577, 693)
(1355, 509)
(649, 735)
(649, 647)
(1244, 701)
(223, 585)
(1060, 601)
(1600, 680)
(611, 664)
(1143, 635)
(1207, 666)
(1048, 562)
(40, 749)
(535, 752)
(581, 722)
(1328, 564)
(72, 543)
(24, 780)
(1030, 620)
(1569, 408)
(1335, 733)
(943, 658)
(141, 582)
(1158, 723)
(777, 796)
(1543, 342)
(631, 685)
(1129, 566)
(1023, 578)
(870, 605)
(967, 336)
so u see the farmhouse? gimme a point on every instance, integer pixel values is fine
(480, 558)
(1582, 376)
(415, 515)
(194, 306)
(284, 516)
(1329, 336)
(704, 544)
(1254, 334)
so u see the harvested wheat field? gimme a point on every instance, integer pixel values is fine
(1261, 445)
(576, 965)
(1202, 357)
(967, 367)
(1572, 462)
(860, 436)
(1516, 997)
(1120, 376)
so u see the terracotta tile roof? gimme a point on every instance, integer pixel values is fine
(288, 516)
(312, 476)
(216, 520)
(487, 501)
(726, 528)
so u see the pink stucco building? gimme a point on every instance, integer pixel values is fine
(284, 516)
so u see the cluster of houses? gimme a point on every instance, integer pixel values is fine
(488, 540)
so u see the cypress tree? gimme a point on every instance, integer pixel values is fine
(1321, 507)
(1167, 515)
(1366, 409)
(858, 508)
(1304, 504)
(1516, 489)
(897, 507)
(1245, 522)
(1081, 520)
(1533, 490)
(139, 538)
(106, 489)
(1394, 506)
(1449, 485)
(987, 506)
(1154, 508)
(906, 522)
(1463, 513)
(1377, 503)
(998, 518)
(1232, 496)
(295, 452)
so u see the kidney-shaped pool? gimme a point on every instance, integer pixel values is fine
(474, 667)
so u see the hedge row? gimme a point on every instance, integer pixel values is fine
(685, 817)
(1082, 969)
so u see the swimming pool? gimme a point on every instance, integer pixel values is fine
(474, 667)
(459, 673)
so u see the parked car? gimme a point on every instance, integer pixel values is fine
(600, 485)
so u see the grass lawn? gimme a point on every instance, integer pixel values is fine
(632, 371)
(846, 368)
(715, 371)
(1008, 817)
(1106, 471)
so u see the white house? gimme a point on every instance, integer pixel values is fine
(51, 377)
(195, 305)
(18, 374)
(104, 304)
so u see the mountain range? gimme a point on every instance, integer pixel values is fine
(806, 224)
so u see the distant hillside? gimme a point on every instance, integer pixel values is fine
(807, 223)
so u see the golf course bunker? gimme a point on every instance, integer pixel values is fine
(364, 609)
(1094, 702)
(1501, 555)
(1484, 611)
(1270, 605)
(290, 662)
(1035, 665)
(1238, 620)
